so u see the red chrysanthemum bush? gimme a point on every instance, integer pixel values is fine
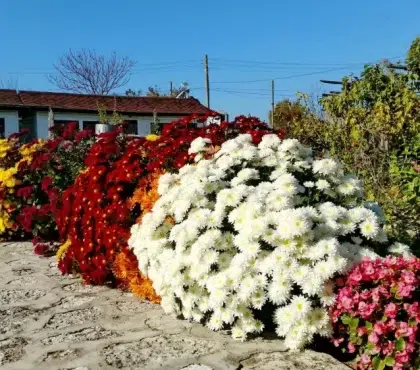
(102, 205)
(95, 216)
(43, 177)
(377, 313)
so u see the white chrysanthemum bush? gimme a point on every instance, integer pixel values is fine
(252, 238)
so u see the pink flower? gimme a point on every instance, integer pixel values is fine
(402, 357)
(380, 328)
(391, 310)
(355, 277)
(373, 338)
(405, 290)
(351, 348)
(365, 359)
(408, 277)
(366, 310)
(388, 348)
(347, 303)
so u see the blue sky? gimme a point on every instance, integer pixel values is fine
(245, 41)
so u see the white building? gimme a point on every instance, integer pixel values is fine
(29, 110)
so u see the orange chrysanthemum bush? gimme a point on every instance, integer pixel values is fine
(126, 264)
(118, 186)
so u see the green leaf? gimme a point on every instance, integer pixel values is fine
(389, 361)
(354, 323)
(378, 363)
(345, 319)
(400, 344)
(368, 325)
(412, 322)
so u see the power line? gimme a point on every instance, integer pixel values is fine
(297, 75)
(252, 62)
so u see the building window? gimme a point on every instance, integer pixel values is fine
(130, 127)
(89, 125)
(2, 128)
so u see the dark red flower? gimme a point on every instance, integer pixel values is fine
(25, 192)
(46, 183)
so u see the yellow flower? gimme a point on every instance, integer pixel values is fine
(4, 147)
(7, 177)
(5, 222)
(152, 137)
(63, 249)
(27, 150)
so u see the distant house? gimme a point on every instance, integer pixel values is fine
(29, 110)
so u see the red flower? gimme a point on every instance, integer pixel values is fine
(25, 192)
(83, 135)
(46, 183)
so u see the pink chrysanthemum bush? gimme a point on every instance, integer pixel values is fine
(377, 313)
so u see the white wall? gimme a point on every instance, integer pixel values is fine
(11, 122)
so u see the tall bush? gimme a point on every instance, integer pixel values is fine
(373, 127)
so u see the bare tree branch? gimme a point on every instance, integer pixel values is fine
(11, 83)
(85, 71)
(154, 91)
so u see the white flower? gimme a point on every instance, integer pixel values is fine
(400, 249)
(322, 184)
(309, 184)
(369, 228)
(300, 306)
(248, 230)
(325, 166)
(198, 145)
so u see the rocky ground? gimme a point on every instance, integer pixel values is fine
(49, 321)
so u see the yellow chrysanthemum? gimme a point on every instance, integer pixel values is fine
(4, 147)
(63, 249)
(152, 137)
(5, 222)
(27, 150)
(7, 177)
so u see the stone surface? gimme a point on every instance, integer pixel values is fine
(12, 349)
(86, 334)
(16, 296)
(61, 355)
(197, 367)
(49, 321)
(157, 351)
(72, 302)
(291, 361)
(14, 319)
(76, 317)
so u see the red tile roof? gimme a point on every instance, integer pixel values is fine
(9, 98)
(81, 102)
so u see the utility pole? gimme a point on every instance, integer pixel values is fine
(207, 81)
(170, 88)
(272, 103)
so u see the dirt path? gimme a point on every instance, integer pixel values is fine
(48, 321)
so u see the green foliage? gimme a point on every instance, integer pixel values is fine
(287, 111)
(113, 119)
(413, 58)
(373, 126)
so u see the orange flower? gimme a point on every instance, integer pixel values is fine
(146, 193)
(142, 287)
(126, 269)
